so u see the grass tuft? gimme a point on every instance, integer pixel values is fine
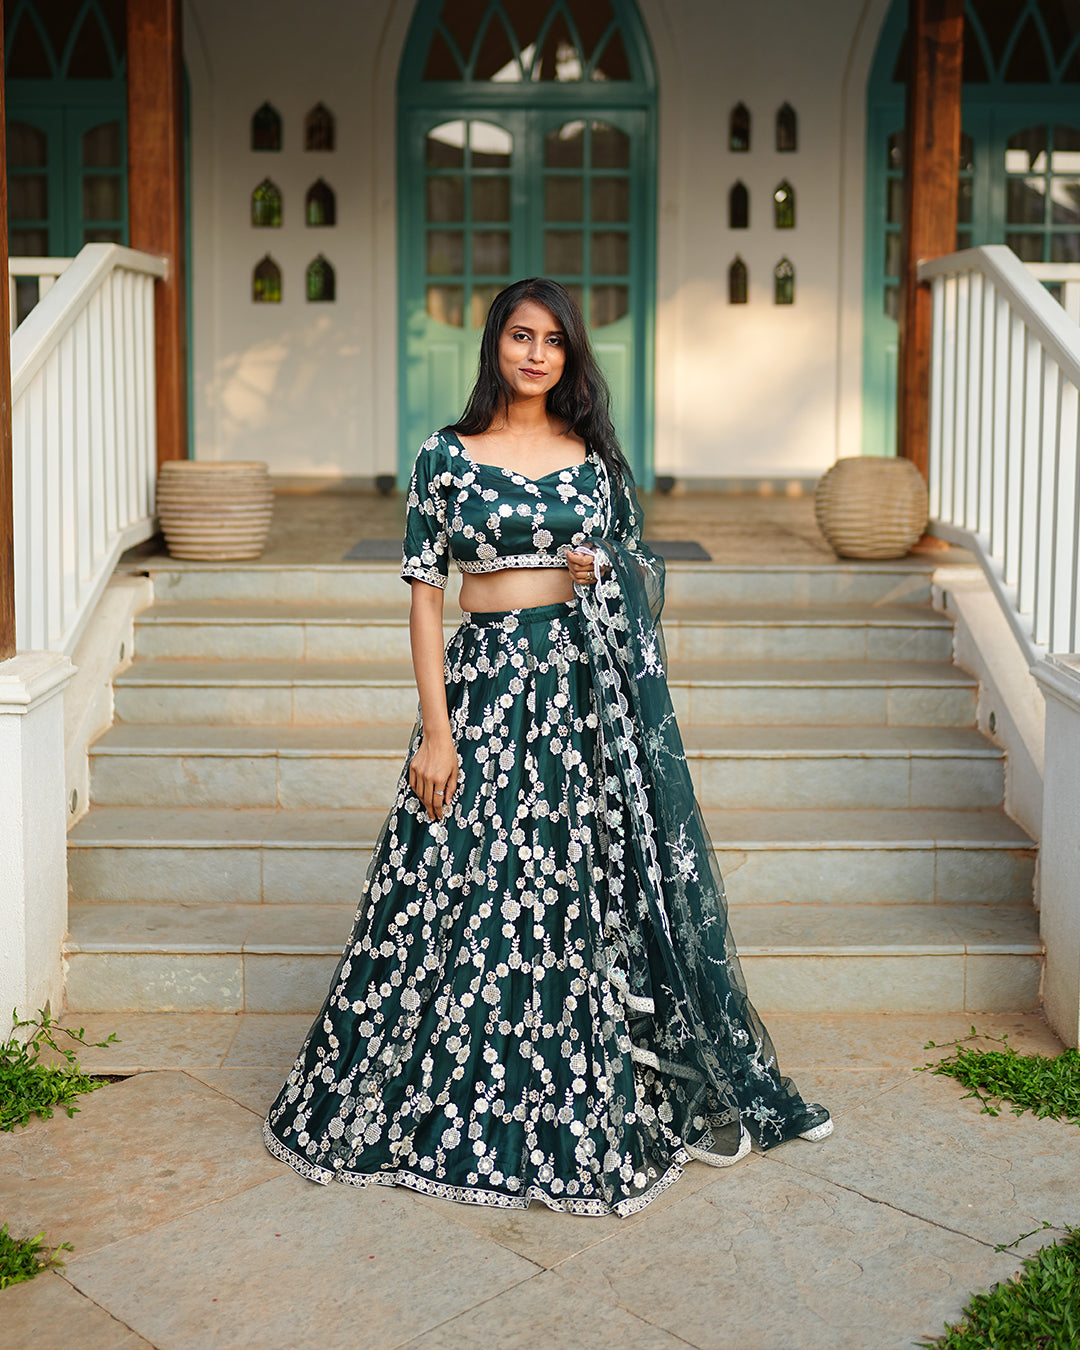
(1048, 1086)
(23, 1258)
(1037, 1310)
(29, 1087)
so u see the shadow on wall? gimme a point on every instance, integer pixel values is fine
(754, 387)
(299, 399)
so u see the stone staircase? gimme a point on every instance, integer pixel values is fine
(855, 808)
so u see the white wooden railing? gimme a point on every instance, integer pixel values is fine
(40, 272)
(1064, 277)
(84, 438)
(1004, 472)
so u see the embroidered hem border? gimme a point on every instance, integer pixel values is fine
(476, 1195)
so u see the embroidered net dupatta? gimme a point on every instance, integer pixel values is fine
(668, 946)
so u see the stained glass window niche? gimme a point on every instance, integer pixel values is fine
(320, 204)
(787, 129)
(738, 282)
(738, 207)
(320, 280)
(266, 128)
(319, 128)
(266, 282)
(739, 129)
(266, 205)
(784, 283)
(784, 206)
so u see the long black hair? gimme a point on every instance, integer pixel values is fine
(581, 398)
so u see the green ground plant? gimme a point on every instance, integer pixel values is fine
(31, 1085)
(1037, 1310)
(1040, 1308)
(23, 1258)
(1048, 1086)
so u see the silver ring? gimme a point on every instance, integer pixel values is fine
(440, 794)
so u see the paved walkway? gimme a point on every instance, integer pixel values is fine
(189, 1236)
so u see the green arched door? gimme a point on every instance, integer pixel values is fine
(524, 150)
(1019, 172)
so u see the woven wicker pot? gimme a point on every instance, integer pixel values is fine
(214, 512)
(868, 507)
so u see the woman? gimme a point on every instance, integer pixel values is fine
(539, 999)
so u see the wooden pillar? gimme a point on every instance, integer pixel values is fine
(156, 196)
(931, 170)
(7, 506)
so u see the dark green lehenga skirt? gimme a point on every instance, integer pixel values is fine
(531, 1005)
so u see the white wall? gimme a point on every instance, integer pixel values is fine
(755, 390)
(292, 384)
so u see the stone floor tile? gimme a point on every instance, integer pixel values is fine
(290, 1263)
(894, 1040)
(136, 1154)
(547, 1237)
(47, 1311)
(153, 1040)
(268, 1040)
(929, 1151)
(762, 1261)
(546, 1311)
(254, 1089)
(842, 1090)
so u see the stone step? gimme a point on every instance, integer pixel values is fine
(813, 958)
(732, 767)
(741, 693)
(904, 582)
(192, 855)
(261, 630)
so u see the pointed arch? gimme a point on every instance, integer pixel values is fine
(499, 105)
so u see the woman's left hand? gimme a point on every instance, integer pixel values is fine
(581, 567)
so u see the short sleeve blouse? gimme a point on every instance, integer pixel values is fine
(489, 518)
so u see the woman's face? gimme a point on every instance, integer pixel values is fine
(532, 351)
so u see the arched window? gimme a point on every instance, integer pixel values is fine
(266, 205)
(738, 282)
(784, 206)
(319, 128)
(739, 128)
(787, 129)
(561, 43)
(320, 205)
(320, 280)
(266, 128)
(45, 40)
(526, 147)
(67, 124)
(738, 207)
(266, 282)
(784, 283)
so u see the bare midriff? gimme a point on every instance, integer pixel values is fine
(514, 588)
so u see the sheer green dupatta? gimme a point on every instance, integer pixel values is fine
(706, 1057)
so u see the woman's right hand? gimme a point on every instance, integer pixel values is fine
(433, 774)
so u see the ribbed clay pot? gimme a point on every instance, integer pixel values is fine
(869, 507)
(214, 512)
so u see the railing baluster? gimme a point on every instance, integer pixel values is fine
(948, 396)
(973, 425)
(933, 477)
(1062, 580)
(999, 424)
(1044, 500)
(963, 311)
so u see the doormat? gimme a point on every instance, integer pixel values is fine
(679, 550)
(374, 550)
(389, 550)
